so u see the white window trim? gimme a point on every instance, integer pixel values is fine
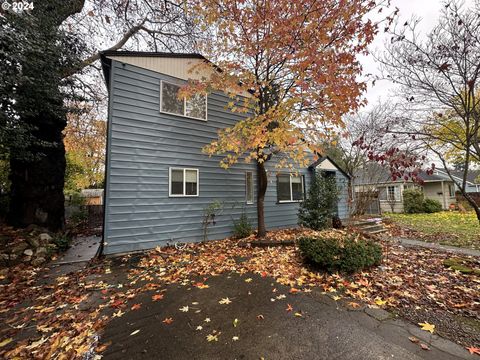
(184, 104)
(400, 194)
(246, 189)
(184, 182)
(291, 191)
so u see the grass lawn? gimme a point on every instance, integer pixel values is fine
(446, 227)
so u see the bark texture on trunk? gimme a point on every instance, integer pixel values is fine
(37, 169)
(36, 195)
(262, 189)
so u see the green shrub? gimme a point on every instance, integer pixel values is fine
(348, 255)
(431, 206)
(62, 241)
(317, 210)
(242, 227)
(413, 201)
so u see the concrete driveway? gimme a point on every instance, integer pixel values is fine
(316, 327)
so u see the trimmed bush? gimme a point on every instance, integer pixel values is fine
(317, 210)
(431, 206)
(413, 201)
(348, 255)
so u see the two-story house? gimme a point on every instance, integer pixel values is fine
(158, 180)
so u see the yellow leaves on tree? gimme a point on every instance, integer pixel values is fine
(290, 67)
(84, 138)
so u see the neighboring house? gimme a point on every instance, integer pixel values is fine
(158, 181)
(389, 194)
(473, 179)
(92, 196)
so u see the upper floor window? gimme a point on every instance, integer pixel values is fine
(195, 107)
(183, 182)
(289, 187)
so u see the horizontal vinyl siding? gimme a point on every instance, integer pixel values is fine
(144, 143)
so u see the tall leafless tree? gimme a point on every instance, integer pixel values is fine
(438, 78)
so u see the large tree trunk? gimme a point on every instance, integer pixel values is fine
(37, 169)
(37, 184)
(262, 189)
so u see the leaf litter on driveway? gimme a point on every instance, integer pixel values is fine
(409, 278)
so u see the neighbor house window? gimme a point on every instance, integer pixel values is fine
(289, 187)
(393, 193)
(194, 107)
(249, 187)
(183, 182)
(451, 190)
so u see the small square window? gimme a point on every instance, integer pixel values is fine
(183, 182)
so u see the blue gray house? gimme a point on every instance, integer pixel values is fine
(158, 181)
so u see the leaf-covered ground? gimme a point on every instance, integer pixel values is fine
(62, 317)
(445, 227)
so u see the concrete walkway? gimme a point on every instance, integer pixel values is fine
(316, 326)
(81, 251)
(453, 249)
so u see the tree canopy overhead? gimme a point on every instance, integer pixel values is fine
(298, 60)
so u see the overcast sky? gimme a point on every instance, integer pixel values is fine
(428, 11)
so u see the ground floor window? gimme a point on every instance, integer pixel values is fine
(289, 187)
(183, 182)
(390, 193)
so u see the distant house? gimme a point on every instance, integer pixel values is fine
(376, 180)
(158, 180)
(473, 179)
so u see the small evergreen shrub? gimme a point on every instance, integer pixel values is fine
(413, 201)
(348, 255)
(431, 206)
(62, 241)
(242, 227)
(317, 210)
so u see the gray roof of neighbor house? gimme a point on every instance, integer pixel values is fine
(473, 176)
(375, 173)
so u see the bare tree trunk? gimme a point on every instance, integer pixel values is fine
(473, 204)
(262, 189)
